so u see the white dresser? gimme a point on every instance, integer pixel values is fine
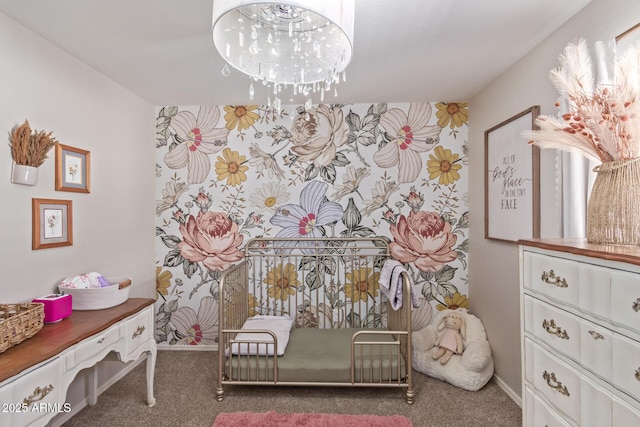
(580, 310)
(35, 374)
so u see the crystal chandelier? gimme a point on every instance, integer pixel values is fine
(299, 45)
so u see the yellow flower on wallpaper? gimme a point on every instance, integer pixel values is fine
(453, 302)
(241, 116)
(443, 166)
(282, 281)
(363, 283)
(454, 114)
(163, 281)
(231, 167)
(253, 303)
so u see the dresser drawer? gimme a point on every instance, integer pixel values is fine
(557, 278)
(138, 330)
(556, 328)
(596, 349)
(93, 346)
(553, 379)
(624, 414)
(625, 299)
(540, 415)
(626, 365)
(40, 391)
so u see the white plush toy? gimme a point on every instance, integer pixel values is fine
(469, 370)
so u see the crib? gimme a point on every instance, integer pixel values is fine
(343, 331)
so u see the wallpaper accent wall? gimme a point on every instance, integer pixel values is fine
(226, 174)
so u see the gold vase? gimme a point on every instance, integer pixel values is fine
(613, 211)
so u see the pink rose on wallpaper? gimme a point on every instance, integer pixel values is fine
(424, 239)
(211, 238)
(317, 134)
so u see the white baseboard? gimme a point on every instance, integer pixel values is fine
(213, 347)
(77, 407)
(513, 395)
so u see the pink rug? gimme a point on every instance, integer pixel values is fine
(274, 419)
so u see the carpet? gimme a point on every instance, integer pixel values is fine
(274, 419)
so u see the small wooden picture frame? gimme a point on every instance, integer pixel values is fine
(52, 223)
(72, 169)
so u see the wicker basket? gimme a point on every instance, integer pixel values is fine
(19, 322)
(613, 211)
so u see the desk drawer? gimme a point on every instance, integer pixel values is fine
(539, 414)
(98, 343)
(558, 329)
(40, 391)
(138, 330)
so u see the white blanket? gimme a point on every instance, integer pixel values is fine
(279, 325)
(391, 284)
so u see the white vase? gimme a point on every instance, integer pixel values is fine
(26, 175)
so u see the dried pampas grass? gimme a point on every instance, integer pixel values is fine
(603, 120)
(30, 148)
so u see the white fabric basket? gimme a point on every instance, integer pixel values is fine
(99, 298)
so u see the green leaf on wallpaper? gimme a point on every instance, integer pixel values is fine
(311, 172)
(445, 274)
(353, 120)
(340, 160)
(159, 231)
(464, 246)
(314, 280)
(173, 258)
(353, 319)
(462, 257)
(370, 123)
(328, 173)
(170, 241)
(447, 289)
(360, 231)
(189, 268)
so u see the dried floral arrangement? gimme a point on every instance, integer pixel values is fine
(30, 148)
(603, 119)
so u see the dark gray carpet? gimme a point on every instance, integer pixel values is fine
(185, 385)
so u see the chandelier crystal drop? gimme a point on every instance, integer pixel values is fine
(300, 45)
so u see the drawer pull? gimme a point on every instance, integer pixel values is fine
(138, 332)
(552, 279)
(550, 327)
(638, 374)
(636, 305)
(596, 335)
(38, 394)
(101, 340)
(553, 382)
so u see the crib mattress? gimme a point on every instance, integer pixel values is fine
(324, 355)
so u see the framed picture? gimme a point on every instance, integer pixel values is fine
(512, 180)
(72, 169)
(52, 223)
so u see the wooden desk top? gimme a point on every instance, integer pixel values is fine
(622, 253)
(54, 338)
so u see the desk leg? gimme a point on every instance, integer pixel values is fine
(93, 385)
(151, 369)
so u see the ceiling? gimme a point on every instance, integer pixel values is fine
(404, 50)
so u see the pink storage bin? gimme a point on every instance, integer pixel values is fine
(56, 307)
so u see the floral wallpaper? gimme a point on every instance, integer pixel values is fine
(226, 174)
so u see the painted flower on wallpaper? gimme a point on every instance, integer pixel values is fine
(361, 284)
(443, 165)
(230, 166)
(350, 182)
(317, 134)
(282, 281)
(170, 194)
(269, 196)
(240, 116)
(197, 329)
(253, 304)
(319, 316)
(380, 195)
(454, 114)
(211, 238)
(198, 137)
(423, 238)
(410, 136)
(163, 282)
(264, 161)
(305, 220)
(453, 302)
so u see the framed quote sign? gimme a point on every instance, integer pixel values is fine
(512, 180)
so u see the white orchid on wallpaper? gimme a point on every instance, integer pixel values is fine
(409, 135)
(197, 137)
(355, 170)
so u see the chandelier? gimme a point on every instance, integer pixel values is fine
(300, 45)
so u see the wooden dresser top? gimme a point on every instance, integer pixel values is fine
(623, 253)
(54, 338)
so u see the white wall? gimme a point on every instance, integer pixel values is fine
(493, 266)
(113, 226)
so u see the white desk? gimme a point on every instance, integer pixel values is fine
(35, 374)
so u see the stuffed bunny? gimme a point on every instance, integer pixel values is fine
(450, 341)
